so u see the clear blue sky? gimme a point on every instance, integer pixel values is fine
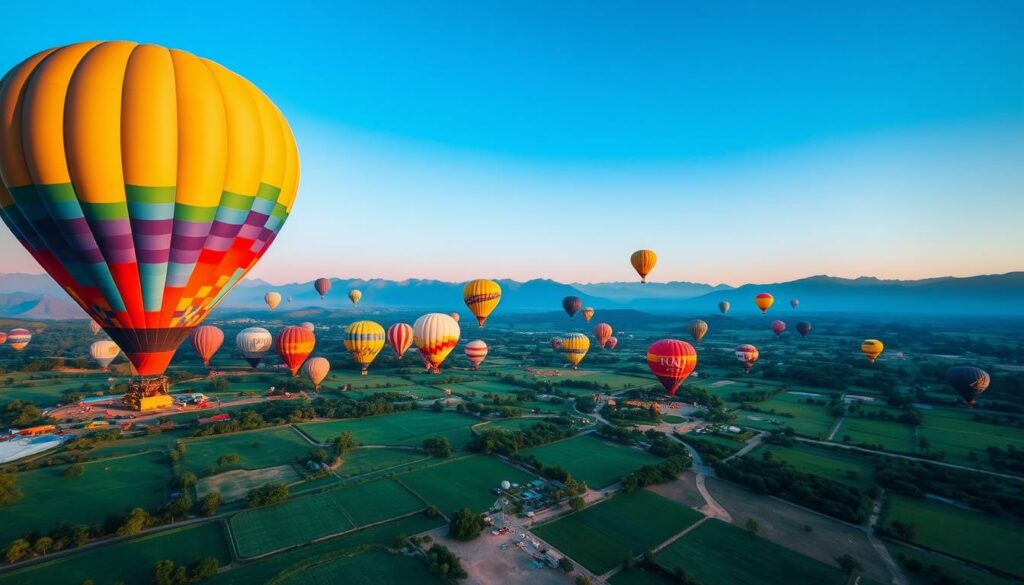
(744, 141)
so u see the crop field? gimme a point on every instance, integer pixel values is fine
(107, 487)
(588, 458)
(418, 391)
(639, 575)
(603, 535)
(967, 573)
(731, 444)
(844, 468)
(371, 459)
(954, 433)
(984, 539)
(262, 530)
(808, 420)
(44, 389)
(891, 435)
(129, 561)
(235, 484)
(513, 424)
(463, 482)
(368, 568)
(716, 552)
(163, 441)
(405, 429)
(256, 450)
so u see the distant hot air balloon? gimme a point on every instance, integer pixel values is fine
(872, 348)
(556, 342)
(354, 295)
(588, 313)
(206, 340)
(308, 326)
(476, 351)
(747, 354)
(316, 369)
(364, 340)
(643, 262)
(273, 299)
(104, 352)
(723, 306)
(435, 335)
(572, 305)
(671, 361)
(602, 331)
(612, 342)
(3, 338)
(803, 328)
(18, 338)
(481, 296)
(698, 329)
(157, 180)
(575, 347)
(289, 298)
(764, 301)
(454, 316)
(322, 285)
(294, 344)
(254, 343)
(794, 303)
(400, 338)
(94, 327)
(778, 327)
(968, 381)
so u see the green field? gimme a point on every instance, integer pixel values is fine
(588, 458)
(809, 420)
(370, 459)
(983, 539)
(129, 561)
(954, 433)
(110, 486)
(891, 435)
(419, 391)
(262, 530)
(405, 429)
(513, 424)
(45, 388)
(844, 468)
(640, 575)
(464, 482)
(484, 387)
(603, 535)
(369, 568)
(256, 450)
(716, 552)
(729, 443)
(968, 574)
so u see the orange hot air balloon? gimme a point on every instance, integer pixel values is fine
(764, 301)
(612, 342)
(18, 338)
(3, 338)
(400, 338)
(273, 299)
(643, 262)
(294, 344)
(364, 340)
(778, 327)
(671, 361)
(322, 285)
(354, 296)
(872, 348)
(602, 332)
(94, 327)
(206, 340)
(481, 296)
(588, 314)
(454, 316)
(435, 335)
(747, 354)
(698, 329)
(476, 351)
(316, 369)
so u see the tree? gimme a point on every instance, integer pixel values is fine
(166, 573)
(577, 503)
(344, 442)
(566, 565)
(9, 490)
(208, 504)
(178, 507)
(437, 447)
(270, 493)
(133, 523)
(848, 564)
(583, 580)
(17, 550)
(42, 545)
(752, 526)
(203, 568)
(74, 470)
(465, 524)
(445, 563)
(398, 542)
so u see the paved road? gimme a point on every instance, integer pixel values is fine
(750, 446)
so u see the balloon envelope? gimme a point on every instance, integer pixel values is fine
(3, 338)
(94, 327)
(671, 361)
(968, 381)
(435, 335)
(747, 354)
(803, 328)
(254, 343)
(872, 348)
(309, 326)
(572, 305)
(612, 342)
(723, 307)
(482, 297)
(794, 303)
(764, 301)
(476, 351)
(778, 327)
(316, 369)
(643, 262)
(698, 329)
(104, 352)
(400, 338)
(556, 342)
(272, 299)
(294, 344)
(206, 340)
(602, 332)
(364, 340)
(575, 347)
(588, 313)
(18, 338)
(354, 296)
(322, 285)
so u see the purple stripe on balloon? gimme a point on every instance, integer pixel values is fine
(182, 256)
(192, 229)
(106, 228)
(250, 232)
(119, 242)
(187, 243)
(152, 227)
(257, 219)
(159, 256)
(152, 242)
(115, 256)
(223, 230)
(218, 244)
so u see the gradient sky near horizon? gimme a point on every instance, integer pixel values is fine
(743, 141)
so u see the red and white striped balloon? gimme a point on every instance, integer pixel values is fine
(400, 338)
(476, 351)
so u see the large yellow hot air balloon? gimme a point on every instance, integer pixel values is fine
(354, 295)
(481, 296)
(575, 347)
(435, 335)
(643, 262)
(273, 299)
(872, 348)
(364, 340)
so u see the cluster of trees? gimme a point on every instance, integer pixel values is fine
(649, 414)
(167, 573)
(445, 563)
(987, 493)
(666, 471)
(437, 447)
(755, 395)
(21, 413)
(932, 574)
(350, 408)
(1009, 460)
(465, 524)
(624, 435)
(267, 494)
(511, 442)
(709, 452)
(664, 446)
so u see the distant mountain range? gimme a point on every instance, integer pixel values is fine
(37, 297)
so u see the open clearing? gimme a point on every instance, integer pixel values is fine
(405, 428)
(844, 468)
(235, 484)
(370, 459)
(256, 450)
(369, 568)
(891, 435)
(965, 572)
(589, 458)
(808, 420)
(464, 482)
(954, 433)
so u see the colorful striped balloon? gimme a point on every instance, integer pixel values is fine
(254, 343)
(588, 314)
(602, 331)
(671, 361)
(872, 348)
(481, 296)
(3, 338)
(364, 340)
(575, 347)
(764, 301)
(18, 338)
(354, 296)
(400, 338)
(104, 352)
(435, 334)
(294, 344)
(476, 351)
(206, 340)
(747, 354)
(146, 181)
(322, 285)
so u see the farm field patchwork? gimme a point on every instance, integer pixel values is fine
(463, 482)
(369, 568)
(405, 428)
(235, 484)
(370, 459)
(844, 468)
(419, 391)
(588, 458)
(954, 433)
(809, 420)
(891, 435)
(256, 450)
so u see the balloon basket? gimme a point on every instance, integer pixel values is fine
(148, 394)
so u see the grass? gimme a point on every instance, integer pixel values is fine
(808, 420)
(603, 535)
(256, 450)
(404, 429)
(598, 462)
(966, 573)
(891, 435)
(954, 433)
(484, 387)
(729, 443)
(369, 568)
(716, 552)
(110, 486)
(848, 469)
(368, 460)
(983, 539)
(463, 482)
(419, 391)
(299, 520)
(235, 484)
(129, 561)
(639, 575)
(45, 388)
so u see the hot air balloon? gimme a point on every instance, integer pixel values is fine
(294, 344)
(764, 301)
(206, 340)
(968, 381)
(18, 338)
(364, 340)
(104, 352)
(476, 351)
(803, 328)
(400, 338)
(308, 326)
(778, 327)
(575, 347)
(289, 298)
(94, 327)
(3, 338)
(643, 262)
(723, 306)
(146, 181)
(322, 285)
(273, 299)
(316, 369)
(747, 354)
(254, 343)
(454, 316)
(872, 348)
(481, 296)
(602, 331)
(588, 313)
(354, 296)
(556, 342)
(612, 342)
(426, 362)
(794, 303)
(698, 329)
(435, 335)
(572, 305)
(671, 361)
